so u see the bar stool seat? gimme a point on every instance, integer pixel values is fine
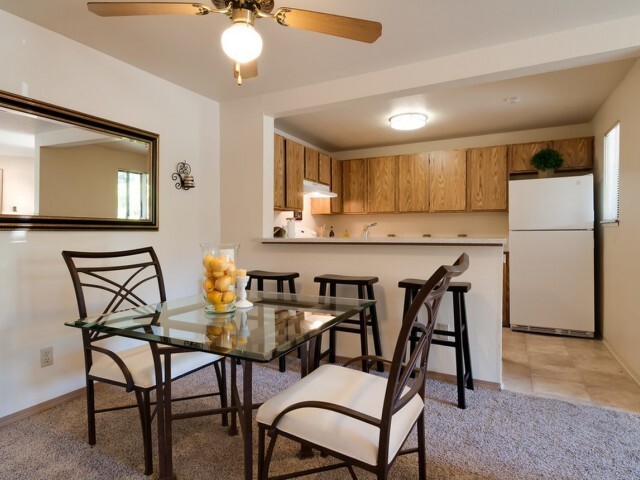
(280, 278)
(367, 317)
(460, 331)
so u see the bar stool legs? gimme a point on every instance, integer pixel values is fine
(460, 334)
(366, 318)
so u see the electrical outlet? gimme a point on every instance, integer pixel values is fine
(46, 357)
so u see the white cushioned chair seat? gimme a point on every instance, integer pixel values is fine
(350, 388)
(139, 360)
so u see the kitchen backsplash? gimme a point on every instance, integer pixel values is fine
(483, 224)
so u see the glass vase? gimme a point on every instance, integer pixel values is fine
(220, 271)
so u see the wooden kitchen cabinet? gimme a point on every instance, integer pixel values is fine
(354, 186)
(325, 206)
(382, 174)
(520, 156)
(413, 183)
(294, 173)
(448, 181)
(487, 178)
(324, 169)
(278, 172)
(311, 164)
(577, 153)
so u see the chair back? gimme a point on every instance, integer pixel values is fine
(121, 278)
(401, 387)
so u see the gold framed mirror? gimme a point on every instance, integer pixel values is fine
(62, 169)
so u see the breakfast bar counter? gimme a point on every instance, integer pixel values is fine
(393, 259)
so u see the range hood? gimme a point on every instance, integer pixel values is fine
(316, 190)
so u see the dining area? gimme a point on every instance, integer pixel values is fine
(178, 337)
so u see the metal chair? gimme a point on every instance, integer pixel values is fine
(349, 414)
(119, 280)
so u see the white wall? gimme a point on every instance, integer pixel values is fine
(18, 183)
(35, 288)
(619, 260)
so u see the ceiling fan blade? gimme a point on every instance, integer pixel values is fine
(339, 26)
(123, 9)
(245, 70)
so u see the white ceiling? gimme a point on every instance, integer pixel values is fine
(186, 50)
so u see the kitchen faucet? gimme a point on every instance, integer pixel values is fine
(365, 231)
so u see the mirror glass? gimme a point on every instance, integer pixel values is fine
(64, 169)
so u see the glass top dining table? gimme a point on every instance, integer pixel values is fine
(276, 324)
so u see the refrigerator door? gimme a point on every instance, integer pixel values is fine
(561, 203)
(551, 281)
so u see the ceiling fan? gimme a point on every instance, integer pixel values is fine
(241, 42)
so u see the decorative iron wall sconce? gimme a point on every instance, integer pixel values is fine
(182, 177)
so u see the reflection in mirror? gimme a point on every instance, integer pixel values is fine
(63, 169)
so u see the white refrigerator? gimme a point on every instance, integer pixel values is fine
(551, 255)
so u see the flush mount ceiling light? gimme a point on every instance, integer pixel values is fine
(512, 99)
(408, 121)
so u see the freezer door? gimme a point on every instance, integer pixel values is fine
(561, 203)
(551, 280)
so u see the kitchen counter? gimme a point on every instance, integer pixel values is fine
(393, 259)
(435, 241)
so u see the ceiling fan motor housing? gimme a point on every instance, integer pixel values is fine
(262, 5)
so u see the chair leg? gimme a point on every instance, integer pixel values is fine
(465, 343)
(261, 439)
(144, 409)
(377, 345)
(267, 460)
(282, 364)
(459, 360)
(221, 375)
(422, 452)
(91, 412)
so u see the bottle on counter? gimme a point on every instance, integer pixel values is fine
(346, 234)
(331, 234)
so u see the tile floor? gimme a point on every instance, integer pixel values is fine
(573, 369)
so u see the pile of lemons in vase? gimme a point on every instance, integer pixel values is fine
(218, 286)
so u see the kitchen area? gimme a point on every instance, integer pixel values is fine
(397, 214)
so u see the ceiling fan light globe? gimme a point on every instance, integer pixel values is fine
(241, 42)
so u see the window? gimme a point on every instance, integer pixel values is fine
(611, 190)
(133, 203)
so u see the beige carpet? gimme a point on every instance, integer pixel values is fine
(501, 435)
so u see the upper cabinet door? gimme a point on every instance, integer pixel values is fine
(448, 181)
(520, 156)
(324, 169)
(294, 168)
(413, 183)
(354, 186)
(278, 172)
(311, 164)
(487, 176)
(382, 174)
(577, 152)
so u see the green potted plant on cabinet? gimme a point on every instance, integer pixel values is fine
(546, 161)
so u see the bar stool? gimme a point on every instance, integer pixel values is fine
(460, 331)
(367, 318)
(280, 278)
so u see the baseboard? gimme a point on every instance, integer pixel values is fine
(442, 377)
(27, 412)
(620, 361)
